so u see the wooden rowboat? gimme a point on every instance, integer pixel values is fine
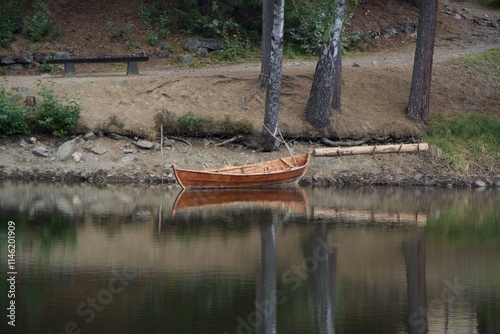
(273, 173)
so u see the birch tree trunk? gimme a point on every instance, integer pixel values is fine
(328, 74)
(267, 27)
(273, 95)
(418, 105)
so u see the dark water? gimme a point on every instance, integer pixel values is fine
(145, 260)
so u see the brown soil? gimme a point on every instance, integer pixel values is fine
(376, 86)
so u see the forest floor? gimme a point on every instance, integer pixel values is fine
(375, 90)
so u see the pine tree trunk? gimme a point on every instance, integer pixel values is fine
(267, 27)
(319, 105)
(418, 105)
(273, 95)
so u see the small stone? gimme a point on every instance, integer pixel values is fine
(418, 177)
(24, 58)
(89, 136)
(457, 16)
(7, 60)
(115, 136)
(41, 151)
(33, 140)
(145, 144)
(479, 184)
(99, 150)
(356, 65)
(185, 59)
(156, 146)
(67, 149)
(77, 157)
(23, 143)
(128, 151)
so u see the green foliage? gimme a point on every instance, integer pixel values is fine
(156, 19)
(55, 117)
(231, 127)
(485, 64)
(10, 22)
(47, 68)
(38, 25)
(193, 124)
(466, 138)
(234, 47)
(491, 3)
(13, 116)
(118, 33)
(310, 23)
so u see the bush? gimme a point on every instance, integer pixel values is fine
(38, 25)
(13, 114)
(193, 124)
(10, 21)
(57, 118)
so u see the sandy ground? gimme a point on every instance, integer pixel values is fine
(375, 93)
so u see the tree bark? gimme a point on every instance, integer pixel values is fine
(273, 95)
(418, 105)
(328, 70)
(267, 28)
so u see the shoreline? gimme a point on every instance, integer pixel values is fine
(120, 161)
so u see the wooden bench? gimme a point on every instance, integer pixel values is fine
(69, 63)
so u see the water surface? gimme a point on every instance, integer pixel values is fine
(124, 259)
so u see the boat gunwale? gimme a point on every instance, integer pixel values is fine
(221, 171)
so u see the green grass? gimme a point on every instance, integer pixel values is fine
(485, 64)
(466, 139)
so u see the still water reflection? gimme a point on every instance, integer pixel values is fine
(118, 259)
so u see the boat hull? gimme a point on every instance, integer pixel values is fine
(274, 173)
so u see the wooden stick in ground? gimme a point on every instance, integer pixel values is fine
(394, 148)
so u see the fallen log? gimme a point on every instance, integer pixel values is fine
(329, 142)
(393, 148)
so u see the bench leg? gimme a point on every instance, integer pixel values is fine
(69, 70)
(132, 68)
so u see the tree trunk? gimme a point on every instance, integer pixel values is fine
(327, 74)
(273, 95)
(337, 57)
(418, 105)
(267, 27)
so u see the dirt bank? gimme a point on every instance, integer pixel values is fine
(375, 92)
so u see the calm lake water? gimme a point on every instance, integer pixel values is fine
(124, 259)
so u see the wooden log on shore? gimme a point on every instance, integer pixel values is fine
(377, 149)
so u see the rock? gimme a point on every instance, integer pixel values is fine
(66, 150)
(203, 52)
(77, 157)
(117, 136)
(479, 184)
(33, 140)
(127, 159)
(7, 60)
(43, 57)
(407, 28)
(457, 17)
(391, 32)
(99, 150)
(61, 55)
(128, 151)
(356, 65)
(185, 59)
(418, 177)
(164, 54)
(145, 144)
(89, 136)
(156, 146)
(211, 44)
(23, 143)
(25, 58)
(164, 45)
(41, 151)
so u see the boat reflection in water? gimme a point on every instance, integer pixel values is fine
(292, 200)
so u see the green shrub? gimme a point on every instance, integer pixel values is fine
(38, 25)
(156, 19)
(10, 21)
(13, 114)
(55, 117)
(193, 124)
